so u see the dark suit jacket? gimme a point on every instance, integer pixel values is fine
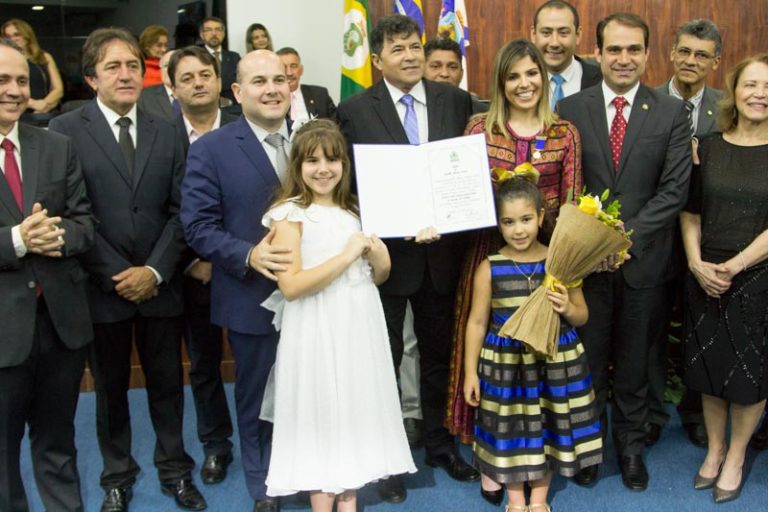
(194, 289)
(51, 176)
(228, 186)
(138, 212)
(318, 102)
(591, 74)
(652, 179)
(229, 62)
(154, 100)
(707, 122)
(369, 117)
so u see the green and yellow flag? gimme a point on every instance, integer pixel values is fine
(356, 58)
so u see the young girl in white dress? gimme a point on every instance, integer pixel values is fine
(337, 421)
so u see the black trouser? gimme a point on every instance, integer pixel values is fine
(622, 328)
(204, 346)
(158, 341)
(41, 392)
(433, 325)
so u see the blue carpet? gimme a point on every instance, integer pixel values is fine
(672, 464)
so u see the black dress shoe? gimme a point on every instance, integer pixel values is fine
(392, 489)
(760, 438)
(116, 500)
(214, 468)
(633, 472)
(413, 431)
(652, 433)
(587, 476)
(493, 497)
(454, 465)
(186, 494)
(697, 434)
(267, 505)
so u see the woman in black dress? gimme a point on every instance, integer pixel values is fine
(45, 84)
(725, 233)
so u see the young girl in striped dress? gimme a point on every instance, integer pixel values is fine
(535, 415)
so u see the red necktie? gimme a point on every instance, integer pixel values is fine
(12, 174)
(618, 129)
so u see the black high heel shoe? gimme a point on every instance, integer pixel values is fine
(493, 497)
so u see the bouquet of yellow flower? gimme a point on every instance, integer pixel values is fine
(584, 236)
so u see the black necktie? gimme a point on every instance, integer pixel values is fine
(126, 142)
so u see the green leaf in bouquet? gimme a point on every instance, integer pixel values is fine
(606, 193)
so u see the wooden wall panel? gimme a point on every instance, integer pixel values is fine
(743, 24)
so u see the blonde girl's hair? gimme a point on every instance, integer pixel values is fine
(318, 133)
(499, 111)
(35, 53)
(727, 115)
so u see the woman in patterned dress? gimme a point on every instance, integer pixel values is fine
(519, 127)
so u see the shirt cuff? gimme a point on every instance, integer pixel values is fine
(157, 275)
(18, 242)
(191, 264)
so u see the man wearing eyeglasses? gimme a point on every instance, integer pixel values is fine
(695, 55)
(213, 32)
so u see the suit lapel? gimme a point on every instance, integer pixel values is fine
(309, 100)
(96, 125)
(435, 109)
(146, 132)
(164, 102)
(30, 159)
(385, 110)
(641, 108)
(252, 148)
(596, 109)
(707, 110)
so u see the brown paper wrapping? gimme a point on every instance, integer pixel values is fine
(579, 243)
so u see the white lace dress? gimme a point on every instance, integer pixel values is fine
(337, 420)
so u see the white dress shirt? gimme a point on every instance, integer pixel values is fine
(18, 243)
(261, 134)
(192, 134)
(419, 106)
(298, 107)
(572, 76)
(610, 110)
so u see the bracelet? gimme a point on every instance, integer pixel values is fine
(743, 263)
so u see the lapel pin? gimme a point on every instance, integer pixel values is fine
(644, 106)
(709, 112)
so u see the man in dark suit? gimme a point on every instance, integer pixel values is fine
(213, 32)
(695, 55)
(307, 101)
(556, 32)
(232, 174)
(642, 154)
(425, 269)
(45, 221)
(443, 57)
(134, 285)
(195, 81)
(158, 99)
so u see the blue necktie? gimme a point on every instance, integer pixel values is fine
(557, 94)
(410, 123)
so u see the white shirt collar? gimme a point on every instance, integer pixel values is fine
(418, 92)
(190, 130)
(569, 72)
(13, 135)
(609, 95)
(169, 92)
(211, 50)
(261, 133)
(695, 99)
(113, 116)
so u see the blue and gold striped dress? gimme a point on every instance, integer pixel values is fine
(535, 414)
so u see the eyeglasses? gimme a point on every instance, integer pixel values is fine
(701, 56)
(215, 29)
